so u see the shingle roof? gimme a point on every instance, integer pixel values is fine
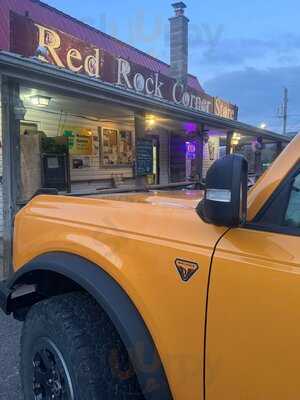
(49, 16)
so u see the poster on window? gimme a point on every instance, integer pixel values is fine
(125, 147)
(80, 141)
(110, 147)
(117, 147)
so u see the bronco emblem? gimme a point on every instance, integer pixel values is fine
(186, 269)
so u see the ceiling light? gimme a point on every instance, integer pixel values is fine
(40, 101)
(150, 121)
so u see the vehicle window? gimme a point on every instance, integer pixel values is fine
(282, 212)
(292, 215)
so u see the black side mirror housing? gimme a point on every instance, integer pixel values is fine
(225, 198)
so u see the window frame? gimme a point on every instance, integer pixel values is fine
(285, 188)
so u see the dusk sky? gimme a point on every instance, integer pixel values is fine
(245, 52)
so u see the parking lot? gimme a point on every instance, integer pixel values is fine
(9, 357)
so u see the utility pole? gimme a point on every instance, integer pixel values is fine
(285, 110)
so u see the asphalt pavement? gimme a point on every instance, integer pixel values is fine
(10, 388)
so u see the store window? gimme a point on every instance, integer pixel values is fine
(259, 153)
(117, 147)
(214, 147)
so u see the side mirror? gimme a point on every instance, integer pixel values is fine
(225, 198)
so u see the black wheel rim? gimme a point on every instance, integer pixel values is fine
(51, 377)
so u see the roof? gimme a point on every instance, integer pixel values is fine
(50, 16)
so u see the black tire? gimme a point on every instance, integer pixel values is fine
(70, 348)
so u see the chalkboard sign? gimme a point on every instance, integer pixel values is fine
(144, 157)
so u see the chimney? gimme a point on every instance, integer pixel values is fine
(179, 43)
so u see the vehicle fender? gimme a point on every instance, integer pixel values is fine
(120, 309)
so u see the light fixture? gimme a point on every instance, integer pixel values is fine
(150, 121)
(236, 139)
(263, 125)
(40, 101)
(237, 136)
(190, 127)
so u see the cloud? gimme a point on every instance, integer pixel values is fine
(259, 93)
(215, 49)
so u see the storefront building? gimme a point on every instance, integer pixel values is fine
(102, 143)
(82, 111)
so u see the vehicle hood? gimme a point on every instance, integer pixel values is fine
(175, 198)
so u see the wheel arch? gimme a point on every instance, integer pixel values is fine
(83, 274)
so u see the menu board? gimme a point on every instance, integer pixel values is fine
(144, 157)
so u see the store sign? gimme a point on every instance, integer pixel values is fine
(189, 99)
(66, 51)
(190, 150)
(224, 109)
(150, 85)
(158, 86)
(52, 48)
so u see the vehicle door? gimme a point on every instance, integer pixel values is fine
(253, 320)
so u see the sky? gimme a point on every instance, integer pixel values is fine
(244, 52)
